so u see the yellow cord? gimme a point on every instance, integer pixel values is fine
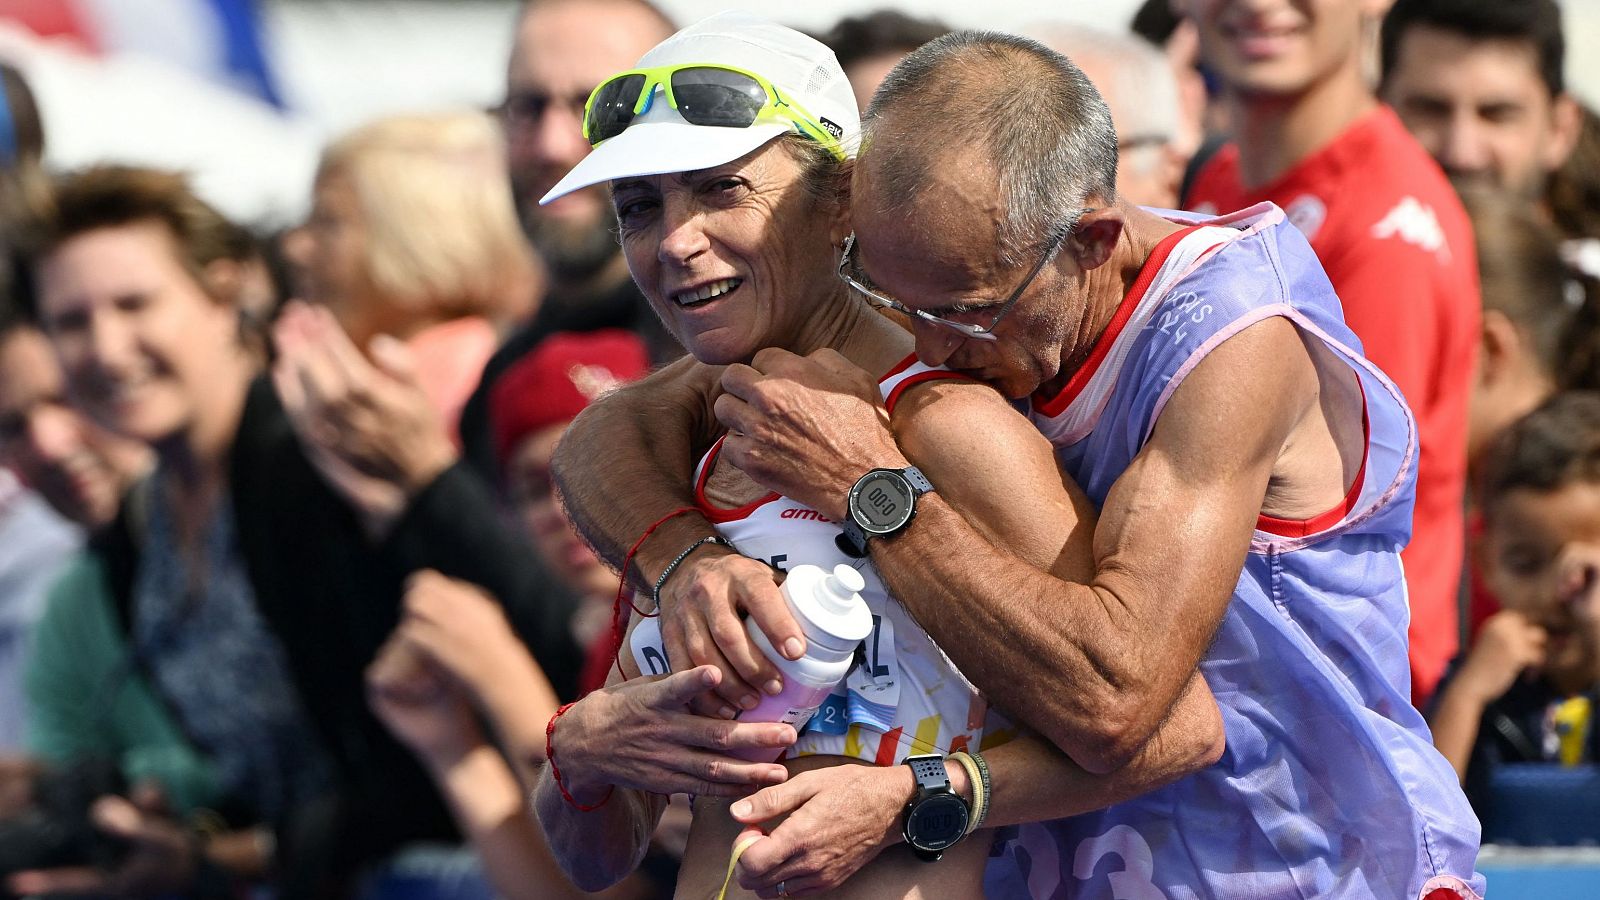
(733, 861)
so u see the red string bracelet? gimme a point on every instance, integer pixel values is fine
(550, 755)
(618, 624)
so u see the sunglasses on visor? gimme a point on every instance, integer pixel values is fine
(704, 94)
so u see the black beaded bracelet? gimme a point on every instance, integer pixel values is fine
(655, 593)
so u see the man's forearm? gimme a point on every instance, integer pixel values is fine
(627, 461)
(1000, 619)
(1031, 781)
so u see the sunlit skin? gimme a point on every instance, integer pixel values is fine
(146, 352)
(748, 225)
(77, 467)
(560, 54)
(1538, 549)
(1481, 109)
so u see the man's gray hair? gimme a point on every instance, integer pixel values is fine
(1031, 111)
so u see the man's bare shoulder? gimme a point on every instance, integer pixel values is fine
(962, 419)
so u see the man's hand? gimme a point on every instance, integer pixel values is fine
(839, 819)
(161, 859)
(1508, 645)
(367, 425)
(639, 734)
(806, 427)
(700, 622)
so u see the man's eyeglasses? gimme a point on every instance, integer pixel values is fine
(524, 109)
(848, 268)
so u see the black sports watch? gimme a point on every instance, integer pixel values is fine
(880, 503)
(936, 817)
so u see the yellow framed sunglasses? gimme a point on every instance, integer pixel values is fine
(704, 94)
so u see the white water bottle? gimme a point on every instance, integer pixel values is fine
(835, 620)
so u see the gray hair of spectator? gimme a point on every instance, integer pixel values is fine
(1537, 22)
(1135, 76)
(879, 33)
(1038, 120)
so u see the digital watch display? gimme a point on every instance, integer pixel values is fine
(880, 503)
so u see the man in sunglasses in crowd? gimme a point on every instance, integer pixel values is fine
(1254, 474)
(562, 49)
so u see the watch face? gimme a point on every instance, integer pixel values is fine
(937, 822)
(881, 502)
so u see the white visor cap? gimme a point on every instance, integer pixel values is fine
(660, 141)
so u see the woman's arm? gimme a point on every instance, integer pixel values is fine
(623, 750)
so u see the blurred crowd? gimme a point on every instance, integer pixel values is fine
(287, 596)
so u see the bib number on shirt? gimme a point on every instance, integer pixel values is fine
(649, 650)
(1136, 879)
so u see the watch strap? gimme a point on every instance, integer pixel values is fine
(852, 541)
(932, 780)
(930, 774)
(919, 482)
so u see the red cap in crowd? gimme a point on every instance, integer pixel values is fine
(555, 380)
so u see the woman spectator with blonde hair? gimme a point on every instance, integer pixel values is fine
(413, 235)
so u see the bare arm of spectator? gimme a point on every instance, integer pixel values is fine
(463, 632)
(420, 704)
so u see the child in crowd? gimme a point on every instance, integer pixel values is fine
(1526, 690)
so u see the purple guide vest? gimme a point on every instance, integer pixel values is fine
(1329, 786)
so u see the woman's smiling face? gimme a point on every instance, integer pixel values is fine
(733, 257)
(140, 341)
